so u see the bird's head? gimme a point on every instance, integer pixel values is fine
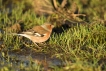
(47, 26)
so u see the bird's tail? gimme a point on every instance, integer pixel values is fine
(21, 34)
(25, 35)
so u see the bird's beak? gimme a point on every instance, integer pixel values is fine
(52, 26)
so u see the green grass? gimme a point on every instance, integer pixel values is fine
(81, 48)
(82, 45)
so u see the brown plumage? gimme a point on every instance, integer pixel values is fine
(39, 34)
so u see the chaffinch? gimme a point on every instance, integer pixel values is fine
(39, 34)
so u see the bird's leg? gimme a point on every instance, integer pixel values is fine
(43, 43)
(37, 45)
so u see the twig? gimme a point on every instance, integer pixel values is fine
(55, 4)
(64, 2)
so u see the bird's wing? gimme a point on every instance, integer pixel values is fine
(39, 29)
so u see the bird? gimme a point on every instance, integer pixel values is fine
(38, 34)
